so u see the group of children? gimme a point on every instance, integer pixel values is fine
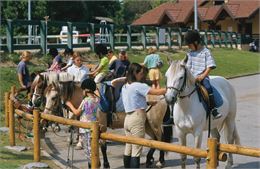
(134, 92)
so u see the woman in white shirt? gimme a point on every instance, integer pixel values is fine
(134, 94)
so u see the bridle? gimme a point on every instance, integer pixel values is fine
(57, 107)
(183, 86)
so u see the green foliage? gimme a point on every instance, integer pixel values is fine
(46, 59)
(14, 57)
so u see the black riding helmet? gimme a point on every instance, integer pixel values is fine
(101, 50)
(89, 84)
(68, 51)
(53, 52)
(192, 37)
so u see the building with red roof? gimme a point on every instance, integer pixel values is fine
(226, 15)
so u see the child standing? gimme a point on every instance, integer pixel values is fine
(23, 72)
(87, 112)
(201, 62)
(151, 61)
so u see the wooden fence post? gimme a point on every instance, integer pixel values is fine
(212, 155)
(11, 123)
(7, 94)
(36, 135)
(95, 145)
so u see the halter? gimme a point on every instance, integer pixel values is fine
(182, 87)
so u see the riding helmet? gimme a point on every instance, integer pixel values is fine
(89, 84)
(192, 37)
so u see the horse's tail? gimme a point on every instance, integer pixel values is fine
(167, 129)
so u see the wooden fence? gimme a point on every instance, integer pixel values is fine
(215, 151)
(116, 36)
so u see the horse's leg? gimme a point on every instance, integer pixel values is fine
(104, 153)
(151, 133)
(198, 140)
(183, 156)
(229, 131)
(149, 158)
(166, 137)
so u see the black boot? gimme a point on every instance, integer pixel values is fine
(213, 109)
(127, 161)
(135, 162)
(89, 165)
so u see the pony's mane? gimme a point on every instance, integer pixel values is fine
(60, 77)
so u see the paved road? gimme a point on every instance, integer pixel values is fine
(248, 124)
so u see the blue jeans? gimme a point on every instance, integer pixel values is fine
(205, 82)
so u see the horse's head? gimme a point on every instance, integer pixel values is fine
(176, 76)
(53, 99)
(37, 89)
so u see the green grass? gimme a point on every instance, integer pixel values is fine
(12, 159)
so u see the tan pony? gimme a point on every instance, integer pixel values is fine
(62, 91)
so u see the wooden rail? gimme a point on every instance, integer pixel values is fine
(215, 151)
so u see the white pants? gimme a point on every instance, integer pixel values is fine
(134, 125)
(99, 77)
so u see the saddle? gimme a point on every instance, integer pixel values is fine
(204, 97)
(110, 97)
(203, 93)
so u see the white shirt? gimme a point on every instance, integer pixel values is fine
(199, 61)
(80, 73)
(134, 96)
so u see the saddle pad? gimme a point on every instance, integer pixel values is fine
(120, 105)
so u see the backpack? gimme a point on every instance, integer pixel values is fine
(159, 63)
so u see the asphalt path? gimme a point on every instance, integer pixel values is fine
(248, 123)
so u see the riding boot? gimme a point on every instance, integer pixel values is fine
(127, 161)
(213, 109)
(89, 165)
(135, 162)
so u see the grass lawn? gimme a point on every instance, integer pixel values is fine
(230, 63)
(12, 159)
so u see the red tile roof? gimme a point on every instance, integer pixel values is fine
(177, 12)
(181, 11)
(242, 8)
(211, 13)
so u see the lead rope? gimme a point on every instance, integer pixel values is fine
(209, 125)
(72, 148)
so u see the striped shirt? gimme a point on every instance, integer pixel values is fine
(199, 61)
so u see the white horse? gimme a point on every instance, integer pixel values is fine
(189, 113)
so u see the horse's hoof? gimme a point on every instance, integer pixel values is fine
(56, 129)
(106, 165)
(228, 166)
(149, 163)
(160, 164)
(44, 129)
